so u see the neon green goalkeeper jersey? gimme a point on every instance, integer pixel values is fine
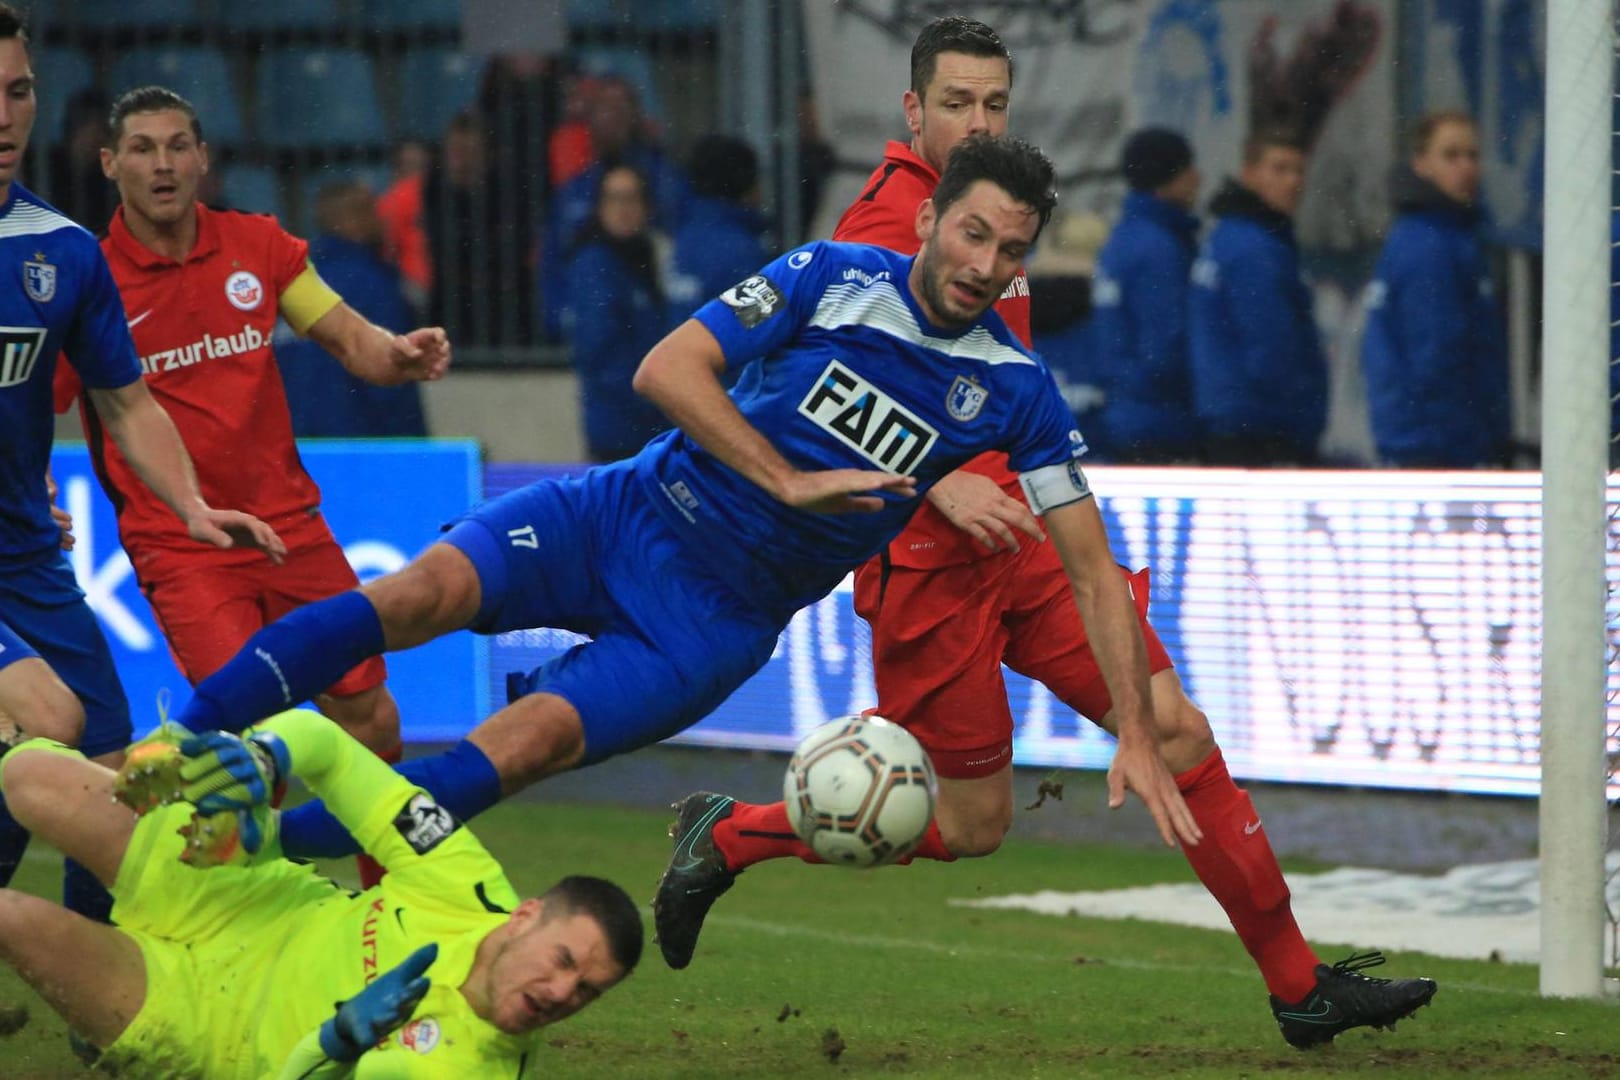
(270, 949)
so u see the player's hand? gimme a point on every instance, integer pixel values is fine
(1138, 766)
(976, 504)
(224, 772)
(844, 491)
(60, 517)
(232, 528)
(363, 1020)
(421, 355)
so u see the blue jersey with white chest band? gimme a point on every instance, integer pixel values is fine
(848, 373)
(56, 296)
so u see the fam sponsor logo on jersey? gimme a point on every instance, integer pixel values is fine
(19, 352)
(39, 278)
(244, 290)
(424, 824)
(420, 1035)
(207, 347)
(753, 300)
(867, 420)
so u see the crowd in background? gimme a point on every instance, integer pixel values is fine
(551, 212)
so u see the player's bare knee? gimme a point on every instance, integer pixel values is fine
(437, 593)
(25, 780)
(973, 839)
(44, 707)
(371, 716)
(536, 736)
(1185, 737)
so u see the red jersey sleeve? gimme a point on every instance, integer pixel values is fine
(289, 255)
(65, 386)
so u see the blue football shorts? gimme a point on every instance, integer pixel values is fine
(43, 613)
(590, 554)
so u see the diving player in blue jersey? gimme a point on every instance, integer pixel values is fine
(869, 375)
(56, 295)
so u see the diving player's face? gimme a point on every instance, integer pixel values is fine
(970, 253)
(549, 971)
(157, 165)
(966, 96)
(16, 108)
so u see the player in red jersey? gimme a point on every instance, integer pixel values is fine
(957, 595)
(202, 290)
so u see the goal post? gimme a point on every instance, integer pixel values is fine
(1575, 430)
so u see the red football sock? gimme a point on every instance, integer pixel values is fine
(753, 833)
(1236, 865)
(372, 871)
(931, 846)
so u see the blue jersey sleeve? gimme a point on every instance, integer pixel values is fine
(762, 313)
(1045, 433)
(97, 341)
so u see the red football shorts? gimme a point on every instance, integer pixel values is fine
(940, 637)
(208, 612)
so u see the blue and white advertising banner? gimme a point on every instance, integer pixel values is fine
(1365, 628)
(384, 499)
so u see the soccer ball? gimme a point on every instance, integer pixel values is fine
(860, 791)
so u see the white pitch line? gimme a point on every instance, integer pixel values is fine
(794, 930)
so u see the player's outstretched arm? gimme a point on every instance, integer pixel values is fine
(681, 375)
(379, 356)
(1110, 618)
(149, 439)
(333, 1050)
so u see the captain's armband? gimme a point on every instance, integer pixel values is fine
(1052, 486)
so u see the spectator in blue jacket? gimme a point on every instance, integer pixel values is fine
(1259, 376)
(1139, 302)
(325, 400)
(1435, 348)
(619, 136)
(719, 239)
(618, 313)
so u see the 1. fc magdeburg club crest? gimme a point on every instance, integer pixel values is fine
(39, 278)
(965, 398)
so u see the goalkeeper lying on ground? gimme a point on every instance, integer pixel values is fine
(233, 970)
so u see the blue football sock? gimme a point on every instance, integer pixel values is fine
(286, 664)
(84, 893)
(13, 842)
(462, 780)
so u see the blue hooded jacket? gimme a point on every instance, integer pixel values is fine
(1257, 362)
(1139, 328)
(1435, 349)
(324, 399)
(716, 244)
(618, 314)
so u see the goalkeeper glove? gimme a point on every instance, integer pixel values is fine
(224, 772)
(363, 1020)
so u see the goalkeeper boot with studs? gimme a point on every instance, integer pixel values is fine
(1344, 999)
(150, 775)
(695, 878)
(239, 838)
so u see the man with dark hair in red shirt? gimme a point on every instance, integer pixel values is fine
(957, 594)
(202, 290)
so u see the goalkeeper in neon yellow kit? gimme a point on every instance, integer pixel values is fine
(233, 970)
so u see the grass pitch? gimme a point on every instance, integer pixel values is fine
(822, 972)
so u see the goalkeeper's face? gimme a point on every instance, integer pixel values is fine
(546, 970)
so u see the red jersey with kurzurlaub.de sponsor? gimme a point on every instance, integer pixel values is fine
(886, 215)
(202, 328)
